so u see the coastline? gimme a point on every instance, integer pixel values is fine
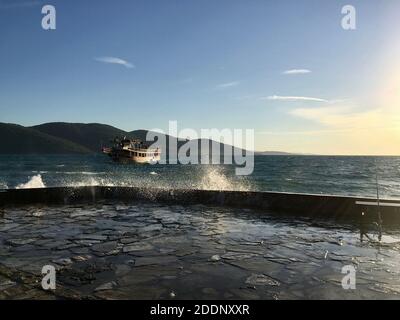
(333, 207)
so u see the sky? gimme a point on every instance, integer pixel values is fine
(286, 69)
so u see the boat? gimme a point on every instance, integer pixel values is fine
(132, 150)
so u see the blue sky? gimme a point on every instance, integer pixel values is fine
(209, 64)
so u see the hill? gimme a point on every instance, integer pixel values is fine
(63, 138)
(272, 153)
(91, 136)
(16, 139)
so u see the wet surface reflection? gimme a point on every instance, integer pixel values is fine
(152, 251)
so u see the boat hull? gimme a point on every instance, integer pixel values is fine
(126, 156)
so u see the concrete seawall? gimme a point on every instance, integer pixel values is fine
(338, 208)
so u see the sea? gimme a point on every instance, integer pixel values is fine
(338, 175)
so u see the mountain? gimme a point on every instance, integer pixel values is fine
(91, 136)
(16, 139)
(64, 138)
(141, 134)
(273, 153)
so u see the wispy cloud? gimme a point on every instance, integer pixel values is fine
(305, 132)
(294, 98)
(228, 84)
(329, 116)
(296, 71)
(336, 118)
(349, 117)
(114, 60)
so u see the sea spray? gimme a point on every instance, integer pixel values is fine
(204, 177)
(309, 174)
(214, 178)
(34, 183)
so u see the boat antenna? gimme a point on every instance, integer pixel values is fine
(378, 201)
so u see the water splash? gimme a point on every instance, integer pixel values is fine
(34, 183)
(203, 178)
(215, 179)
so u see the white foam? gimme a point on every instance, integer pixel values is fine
(204, 178)
(86, 173)
(34, 183)
(215, 179)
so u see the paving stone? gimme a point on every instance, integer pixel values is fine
(19, 242)
(63, 261)
(105, 247)
(261, 279)
(106, 286)
(149, 250)
(137, 247)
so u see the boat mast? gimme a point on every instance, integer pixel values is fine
(378, 201)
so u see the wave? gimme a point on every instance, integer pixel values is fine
(200, 177)
(34, 183)
(86, 173)
(91, 182)
(214, 179)
(209, 178)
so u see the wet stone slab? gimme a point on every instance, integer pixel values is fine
(152, 251)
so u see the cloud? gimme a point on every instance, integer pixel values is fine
(294, 98)
(342, 118)
(305, 132)
(114, 60)
(296, 71)
(326, 115)
(347, 129)
(228, 84)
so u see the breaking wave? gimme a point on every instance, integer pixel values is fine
(206, 178)
(214, 179)
(34, 183)
(86, 173)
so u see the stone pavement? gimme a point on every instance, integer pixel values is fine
(152, 251)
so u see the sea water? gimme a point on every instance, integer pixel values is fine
(341, 175)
